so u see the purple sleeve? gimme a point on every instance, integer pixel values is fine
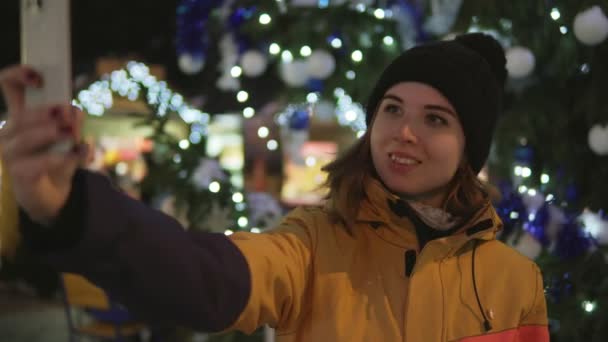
(143, 257)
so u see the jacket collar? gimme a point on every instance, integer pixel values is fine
(390, 218)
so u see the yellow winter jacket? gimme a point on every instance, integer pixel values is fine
(313, 281)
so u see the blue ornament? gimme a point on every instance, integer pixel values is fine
(192, 21)
(572, 241)
(571, 193)
(511, 208)
(524, 154)
(299, 120)
(315, 85)
(536, 227)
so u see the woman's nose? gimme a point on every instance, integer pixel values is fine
(406, 133)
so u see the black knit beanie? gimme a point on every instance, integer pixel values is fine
(469, 71)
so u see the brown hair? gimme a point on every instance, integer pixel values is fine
(348, 174)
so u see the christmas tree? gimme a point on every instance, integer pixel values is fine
(551, 146)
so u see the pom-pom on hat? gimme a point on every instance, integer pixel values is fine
(469, 71)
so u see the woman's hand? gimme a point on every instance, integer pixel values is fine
(41, 176)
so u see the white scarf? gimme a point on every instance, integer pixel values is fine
(435, 218)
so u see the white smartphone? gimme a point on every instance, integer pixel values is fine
(46, 46)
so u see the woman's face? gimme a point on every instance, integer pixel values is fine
(417, 142)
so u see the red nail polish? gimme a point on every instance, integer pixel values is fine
(32, 76)
(56, 112)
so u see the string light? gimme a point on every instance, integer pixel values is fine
(287, 56)
(351, 75)
(522, 189)
(274, 49)
(526, 172)
(351, 115)
(228, 232)
(256, 230)
(305, 51)
(357, 56)
(122, 168)
(243, 222)
(388, 40)
(263, 132)
(236, 71)
(563, 29)
(214, 187)
(129, 82)
(544, 178)
(248, 112)
(589, 306)
(265, 19)
(312, 98)
(237, 197)
(272, 145)
(555, 15)
(379, 13)
(311, 161)
(336, 43)
(184, 144)
(242, 96)
(517, 171)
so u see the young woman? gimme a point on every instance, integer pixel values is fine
(404, 249)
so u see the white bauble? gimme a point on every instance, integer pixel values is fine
(228, 83)
(598, 140)
(520, 61)
(253, 63)
(591, 26)
(208, 170)
(189, 64)
(295, 74)
(595, 225)
(321, 64)
(264, 210)
(528, 246)
(533, 203)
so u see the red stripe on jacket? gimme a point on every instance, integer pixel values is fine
(530, 333)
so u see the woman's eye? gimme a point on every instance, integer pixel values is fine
(437, 120)
(391, 108)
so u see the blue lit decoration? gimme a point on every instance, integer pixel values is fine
(299, 120)
(571, 240)
(409, 15)
(192, 40)
(236, 19)
(511, 208)
(524, 154)
(536, 223)
(315, 85)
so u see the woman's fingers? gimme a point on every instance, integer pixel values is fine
(37, 139)
(13, 81)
